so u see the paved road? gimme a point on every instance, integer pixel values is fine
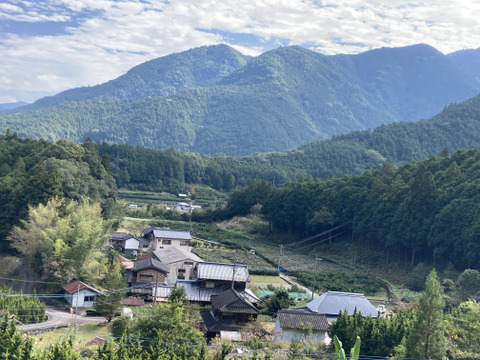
(59, 318)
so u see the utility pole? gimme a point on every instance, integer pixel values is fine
(155, 290)
(280, 256)
(315, 275)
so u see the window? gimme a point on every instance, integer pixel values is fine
(166, 242)
(146, 277)
(181, 271)
(184, 243)
(188, 263)
(89, 298)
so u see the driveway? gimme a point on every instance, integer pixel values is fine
(59, 318)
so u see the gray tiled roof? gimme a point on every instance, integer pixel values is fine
(173, 254)
(168, 234)
(332, 302)
(220, 271)
(120, 235)
(150, 263)
(214, 325)
(295, 319)
(233, 302)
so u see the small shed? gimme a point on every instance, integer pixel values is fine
(293, 324)
(79, 294)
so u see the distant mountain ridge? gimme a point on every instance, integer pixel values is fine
(13, 105)
(216, 100)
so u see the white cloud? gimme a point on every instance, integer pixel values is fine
(125, 33)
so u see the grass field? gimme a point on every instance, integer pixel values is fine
(83, 334)
(264, 281)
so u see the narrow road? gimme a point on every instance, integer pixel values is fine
(59, 318)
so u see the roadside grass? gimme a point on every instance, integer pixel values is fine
(82, 334)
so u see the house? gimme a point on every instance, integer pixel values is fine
(162, 238)
(198, 294)
(230, 312)
(79, 294)
(146, 275)
(124, 242)
(332, 302)
(213, 275)
(180, 262)
(291, 324)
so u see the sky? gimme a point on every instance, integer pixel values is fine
(47, 46)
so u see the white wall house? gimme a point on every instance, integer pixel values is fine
(297, 324)
(79, 294)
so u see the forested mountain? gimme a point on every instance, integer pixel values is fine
(468, 60)
(421, 212)
(211, 100)
(34, 171)
(162, 76)
(456, 127)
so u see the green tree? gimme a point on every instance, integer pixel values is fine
(13, 346)
(277, 301)
(108, 304)
(463, 330)
(427, 337)
(178, 296)
(468, 285)
(61, 350)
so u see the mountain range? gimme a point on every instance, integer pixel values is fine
(216, 100)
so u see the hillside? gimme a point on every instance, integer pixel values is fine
(457, 127)
(211, 100)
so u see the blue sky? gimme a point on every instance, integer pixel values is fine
(47, 46)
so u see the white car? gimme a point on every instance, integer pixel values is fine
(381, 309)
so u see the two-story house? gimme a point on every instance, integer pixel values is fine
(180, 261)
(147, 275)
(163, 238)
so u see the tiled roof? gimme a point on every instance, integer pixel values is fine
(295, 319)
(133, 302)
(173, 254)
(120, 235)
(220, 271)
(233, 302)
(146, 256)
(125, 262)
(150, 263)
(332, 302)
(97, 340)
(77, 285)
(215, 325)
(168, 234)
